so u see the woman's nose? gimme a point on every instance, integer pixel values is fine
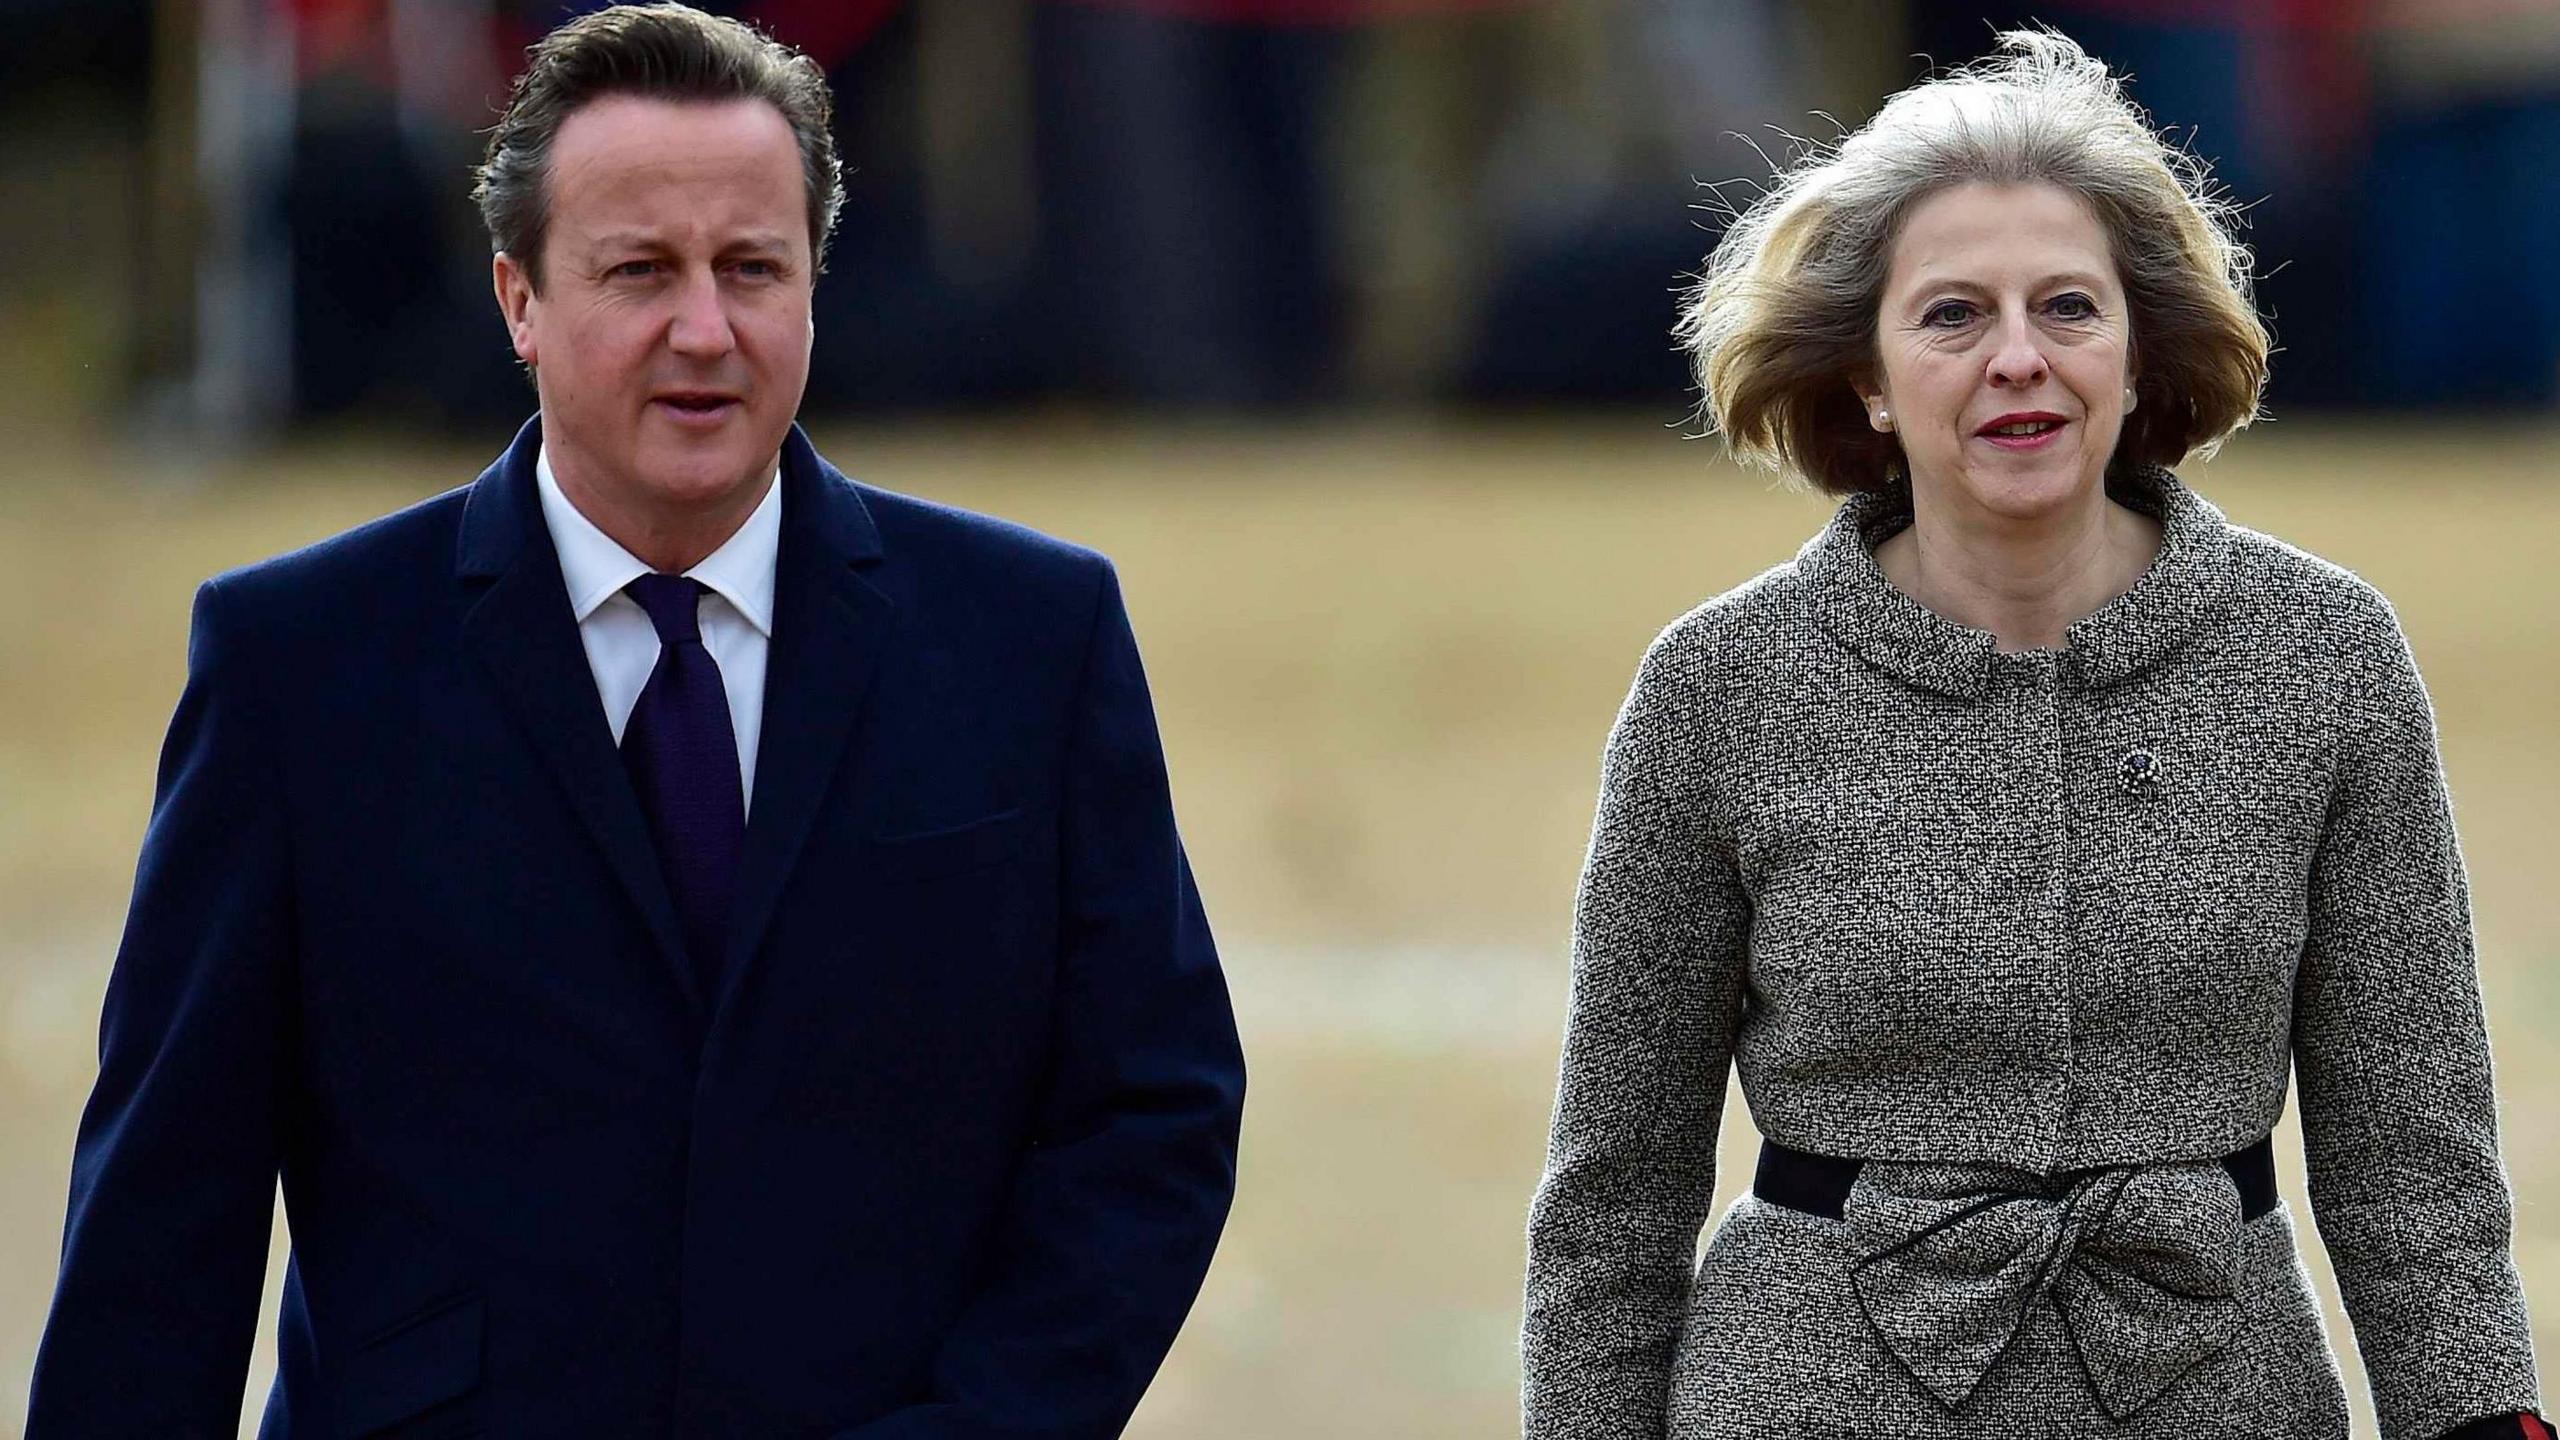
(2017, 361)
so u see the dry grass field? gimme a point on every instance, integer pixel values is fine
(1385, 655)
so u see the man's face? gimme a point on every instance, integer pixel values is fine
(671, 336)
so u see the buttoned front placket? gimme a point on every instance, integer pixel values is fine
(2089, 828)
(2025, 690)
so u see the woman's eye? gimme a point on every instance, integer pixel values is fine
(2074, 307)
(1947, 313)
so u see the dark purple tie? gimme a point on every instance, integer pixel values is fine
(683, 759)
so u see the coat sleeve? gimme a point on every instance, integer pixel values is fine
(1659, 931)
(1120, 1198)
(2392, 1064)
(173, 1179)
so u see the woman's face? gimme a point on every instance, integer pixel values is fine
(2004, 349)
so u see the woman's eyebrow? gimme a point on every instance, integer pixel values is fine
(1939, 283)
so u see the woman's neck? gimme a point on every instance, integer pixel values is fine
(2025, 581)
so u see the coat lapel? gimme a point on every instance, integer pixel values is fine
(522, 631)
(830, 627)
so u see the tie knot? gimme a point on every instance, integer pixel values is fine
(670, 601)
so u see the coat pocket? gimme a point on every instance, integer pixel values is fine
(405, 1380)
(955, 849)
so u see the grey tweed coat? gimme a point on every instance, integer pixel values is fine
(1931, 903)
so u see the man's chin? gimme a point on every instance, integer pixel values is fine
(697, 457)
(702, 487)
(696, 469)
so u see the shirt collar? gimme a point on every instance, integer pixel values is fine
(2188, 586)
(595, 567)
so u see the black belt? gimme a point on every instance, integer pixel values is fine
(1951, 1259)
(1819, 1184)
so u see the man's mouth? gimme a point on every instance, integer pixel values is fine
(696, 404)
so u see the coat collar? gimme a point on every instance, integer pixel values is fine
(2188, 587)
(830, 627)
(503, 510)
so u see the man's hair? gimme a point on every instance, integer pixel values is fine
(664, 51)
(1785, 316)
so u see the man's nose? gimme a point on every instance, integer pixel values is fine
(700, 324)
(2017, 356)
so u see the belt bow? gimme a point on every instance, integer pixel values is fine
(2141, 1261)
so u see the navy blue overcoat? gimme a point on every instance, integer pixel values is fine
(945, 1156)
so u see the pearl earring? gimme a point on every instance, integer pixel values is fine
(1884, 419)
(2131, 399)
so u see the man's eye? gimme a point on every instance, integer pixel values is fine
(635, 268)
(760, 269)
(2074, 306)
(1947, 313)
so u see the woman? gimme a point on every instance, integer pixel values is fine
(2013, 840)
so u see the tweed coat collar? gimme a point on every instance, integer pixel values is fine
(2187, 589)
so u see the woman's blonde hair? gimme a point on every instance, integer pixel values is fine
(1785, 316)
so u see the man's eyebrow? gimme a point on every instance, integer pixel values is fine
(644, 240)
(625, 240)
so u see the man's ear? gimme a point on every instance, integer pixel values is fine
(516, 299)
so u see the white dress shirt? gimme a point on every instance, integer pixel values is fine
(622, 645)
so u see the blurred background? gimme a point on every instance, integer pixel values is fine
(1343, 325)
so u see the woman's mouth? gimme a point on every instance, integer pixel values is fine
(2022, 432)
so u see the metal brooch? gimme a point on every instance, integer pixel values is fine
(2138, 773)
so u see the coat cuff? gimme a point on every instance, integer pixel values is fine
(2515, 1425)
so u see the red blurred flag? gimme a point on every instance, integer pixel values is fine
(1297, 12)
(827, 31)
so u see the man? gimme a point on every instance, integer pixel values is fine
(703, 942)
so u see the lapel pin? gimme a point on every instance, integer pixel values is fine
(2138, 773)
